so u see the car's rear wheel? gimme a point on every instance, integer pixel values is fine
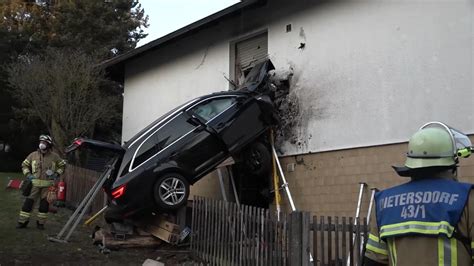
(171, 191)
(257, 158)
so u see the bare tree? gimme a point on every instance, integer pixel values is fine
(63, 89)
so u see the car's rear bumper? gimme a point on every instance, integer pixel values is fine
(116, 213)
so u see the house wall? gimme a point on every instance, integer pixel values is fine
(370, 74)
(327, 183)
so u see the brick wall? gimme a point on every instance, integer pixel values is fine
(327, 183)
(209, 187)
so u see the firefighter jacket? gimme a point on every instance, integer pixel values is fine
(423, 222)
(38, 163)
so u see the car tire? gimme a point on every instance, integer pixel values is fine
(257, 159)
(171, 191)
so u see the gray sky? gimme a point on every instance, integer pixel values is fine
(166, 16)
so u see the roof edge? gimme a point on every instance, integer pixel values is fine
(180, 32)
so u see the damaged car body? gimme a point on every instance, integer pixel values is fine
(155, 168)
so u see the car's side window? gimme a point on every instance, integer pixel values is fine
(210, 109)
(161, 139)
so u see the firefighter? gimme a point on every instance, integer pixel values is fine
(42, 167)
(428, 220)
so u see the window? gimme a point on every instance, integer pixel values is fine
(248, 53)
(161, 139)
(210, 109)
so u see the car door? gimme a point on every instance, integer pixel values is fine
(236, 120)
(180, 143)
(199, 150)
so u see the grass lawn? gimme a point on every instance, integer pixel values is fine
(30, 246)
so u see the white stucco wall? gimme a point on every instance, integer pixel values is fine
(371, 72)
(169, 77)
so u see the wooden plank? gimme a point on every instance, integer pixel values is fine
(249, 236)
(322, 240)
(218, 235)
(225, 231)
(305, 229)
(193, 225)
(267, 240)
(261, 223)
(272, 235)
(130, 242)
(234, 236)
(336, 239)
(214, 231)
(253, 236)
(206, 230)
(243, 239)
(240, 232)
(285, 240)
(217, 226)
(201, 226)
(281, 240)
(210, 230)
(228, 239)
(315, 240)
(329, 240)
(238, 235)
(351, 242)
(222, 226)
(344, 246)
(277, 243)
(258, 240)
(256, 235)
(358, 242)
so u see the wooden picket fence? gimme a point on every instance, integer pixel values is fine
(225, 233)
(79, 182)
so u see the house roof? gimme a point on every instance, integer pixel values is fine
(182, 32)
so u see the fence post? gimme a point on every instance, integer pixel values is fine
(305, 233)
(296, 240)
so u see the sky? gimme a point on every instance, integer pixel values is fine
(166, 16)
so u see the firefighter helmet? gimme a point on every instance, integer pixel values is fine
(46, 138)
(437, 144)
(430, 147)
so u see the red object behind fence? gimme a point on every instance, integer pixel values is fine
(61, 191)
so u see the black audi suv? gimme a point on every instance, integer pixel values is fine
(154, 169)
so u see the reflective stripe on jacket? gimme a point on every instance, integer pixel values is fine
(426, 249)
(42, 182)
(426, 207)
(38, 164)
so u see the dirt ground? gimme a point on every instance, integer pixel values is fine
(30, 246)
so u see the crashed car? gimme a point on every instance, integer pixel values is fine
(155, 168)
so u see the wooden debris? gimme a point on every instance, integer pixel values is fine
(150, 262)
(165, 230)
(107, 240)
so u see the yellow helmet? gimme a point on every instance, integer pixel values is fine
(435, 145)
